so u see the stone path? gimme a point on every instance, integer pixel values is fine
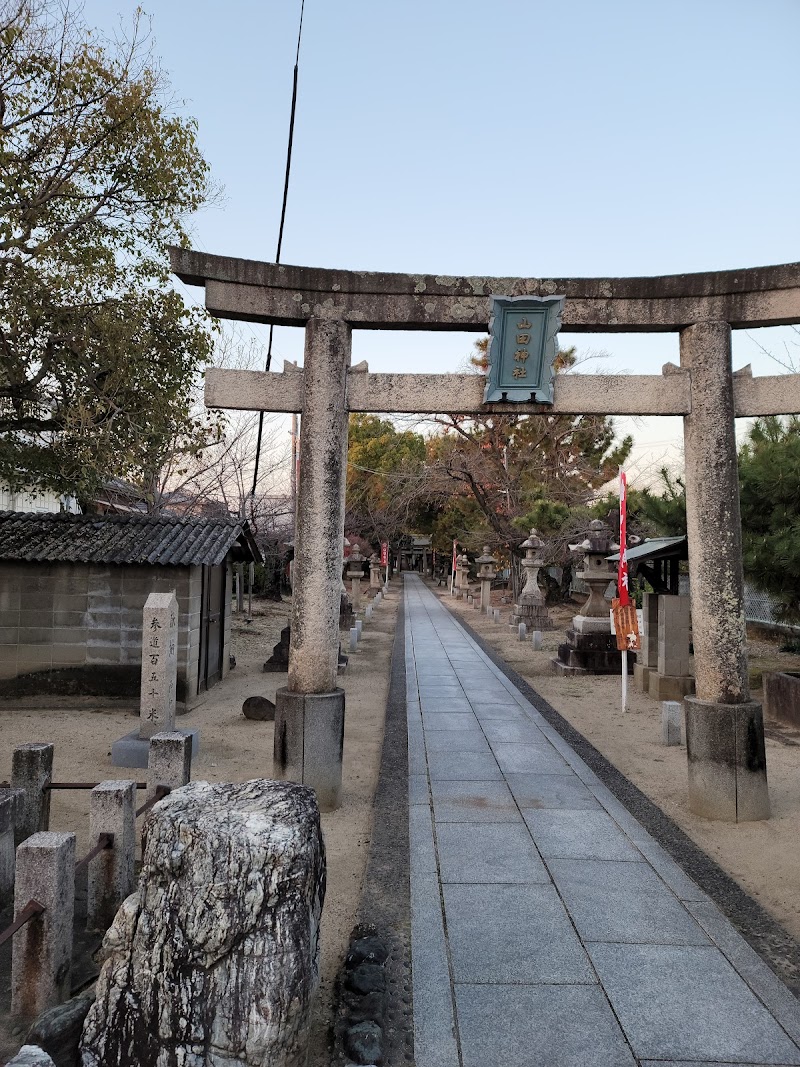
(548, 928)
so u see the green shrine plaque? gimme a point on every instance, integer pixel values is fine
(522, 348)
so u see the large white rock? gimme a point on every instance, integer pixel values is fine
(214, 959)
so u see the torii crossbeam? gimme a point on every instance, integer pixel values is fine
(724, 727)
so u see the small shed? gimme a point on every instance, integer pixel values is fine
(658, 560)
(72, 591)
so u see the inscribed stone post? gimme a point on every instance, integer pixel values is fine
(159, 664)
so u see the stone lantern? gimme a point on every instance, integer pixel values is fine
(596, 572)
(355, 572)
(531, 607)
(591, 648)
(486, 575)
(462, 574)
(375, 571)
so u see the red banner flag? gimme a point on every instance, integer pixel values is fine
(384, 553)
(623, 591)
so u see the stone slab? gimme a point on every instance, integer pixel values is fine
(688, 1003)
(463, 766)
(579, 835)
(456, 741)
(623, 902)
(502, 1024)
(489, 853)
(132, 750)
(476, 802)
(509, 948)
(451, 721)
(508, 731)
(669, 686)
(551, 791)
(529, 759)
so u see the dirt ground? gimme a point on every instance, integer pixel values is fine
(234, 749)
(763, 856)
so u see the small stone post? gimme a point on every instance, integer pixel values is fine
(536, 640)
(112, 810)
(309, 711)
(159, 664)
(522, 631)
(724, 727)
(355, 572)
(486, 575)
(41, 957)
(671, 722)
(375, 571)
(169, 762)
(32, 771)
(10, 804)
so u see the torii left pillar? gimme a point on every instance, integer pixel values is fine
(309, 710)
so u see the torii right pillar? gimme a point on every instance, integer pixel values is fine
(724, 727)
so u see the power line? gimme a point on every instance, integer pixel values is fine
(280, 228)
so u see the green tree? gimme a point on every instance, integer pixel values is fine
(526, 469)
(652, 512)
(385, 479)
(97, 175)
(769, 478)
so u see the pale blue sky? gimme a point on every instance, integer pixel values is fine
(451, 136)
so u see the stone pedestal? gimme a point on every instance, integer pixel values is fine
(309, 742)
(724, 728)
(589, 652)
(727, 760)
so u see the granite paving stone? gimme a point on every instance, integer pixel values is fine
(462, 741)
(463, 767)
(538, 1026)
(529, 759)
(528, 940)
(505, 731)
(688, 1003)
(473, 802)
(488, 853)
(626, 902)
(579, 835)
(551, 791)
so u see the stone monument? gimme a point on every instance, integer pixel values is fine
(591, 647)
(158, 686)
(531, 607)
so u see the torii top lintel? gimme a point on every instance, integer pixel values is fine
(289, 296)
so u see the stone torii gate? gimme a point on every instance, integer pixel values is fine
(724, 727)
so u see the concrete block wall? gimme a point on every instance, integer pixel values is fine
(56, 616)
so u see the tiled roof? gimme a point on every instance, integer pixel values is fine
(158, 539)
